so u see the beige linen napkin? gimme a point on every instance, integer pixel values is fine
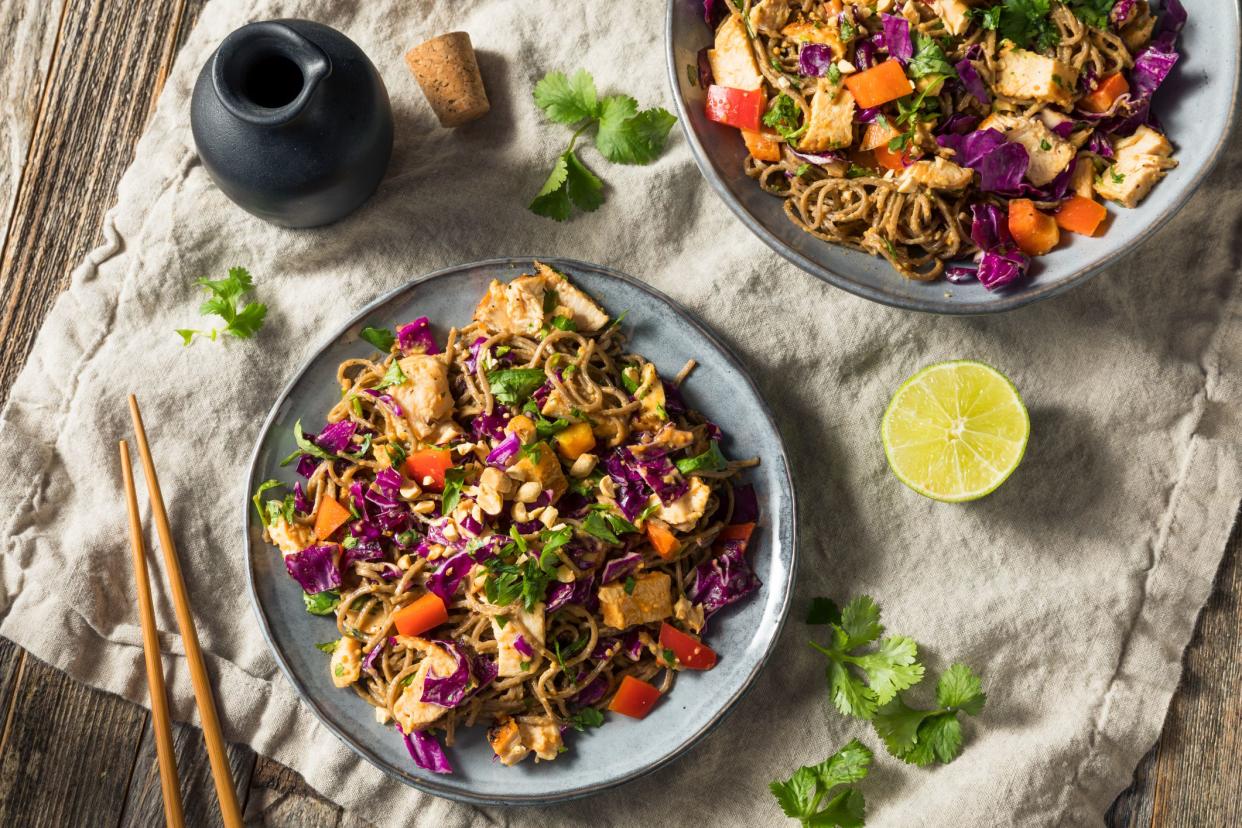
(1073, 590)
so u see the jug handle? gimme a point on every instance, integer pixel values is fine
(244, 46)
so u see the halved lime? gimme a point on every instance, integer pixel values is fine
(955, 430)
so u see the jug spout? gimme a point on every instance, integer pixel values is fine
(266, 73)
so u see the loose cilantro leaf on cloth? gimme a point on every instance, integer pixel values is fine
(920, 737)
(242, 322)
(800, 795)
(511, 386)
(1027, 23)
(567, 100)
(623, 134)
(381, 338)
(785, 117)
(886, 671)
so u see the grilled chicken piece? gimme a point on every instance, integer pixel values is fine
(409, 710)
(650, 601)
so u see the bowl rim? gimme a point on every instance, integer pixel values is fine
(431, 786)
(932, 305)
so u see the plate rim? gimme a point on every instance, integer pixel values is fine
(430, 786)
(1008, 302)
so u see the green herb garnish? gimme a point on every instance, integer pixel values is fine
(381, 338)
(241, 322)
(511, 386)
(623, 135)
(321, 603)
(801, 795)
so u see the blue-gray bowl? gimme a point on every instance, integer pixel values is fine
(623, 749)
(1196, 105)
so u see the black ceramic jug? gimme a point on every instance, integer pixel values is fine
(292, 122)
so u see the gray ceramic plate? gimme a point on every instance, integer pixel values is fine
(623, 749)
(1196, 105)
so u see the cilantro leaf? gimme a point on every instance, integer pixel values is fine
(1027, 23)
(586, 717)
(711, 460)
(630, 137)
(321, 603)
(567, 100)
(929, 59)
(623, 134)
(785, 117)
(583, 187)
(800, 795)
(381, 338)
(224, 295)
(258, 493)
(553, 198)
(597, 526)
(393, 376)
(921, 737)
(886, 671)
(305, 446)
(1092, 12)
(453, 480)
(511, 386)
(328, 646)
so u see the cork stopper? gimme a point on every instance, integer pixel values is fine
(447, 71)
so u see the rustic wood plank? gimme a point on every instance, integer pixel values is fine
(1191, 776)
(145, 803)
(27, 40)
(109, 61)
(279, 796)
(67, 751)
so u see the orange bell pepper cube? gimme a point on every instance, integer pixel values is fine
(662, 538)
(762, 145)
(736, 531)
(1102, 98)
(741, 108)
(691, 653)
(880, 84)
(429, 463)
(331, 516)
(1081, 215)
(890, 160)
(634, 698)
(1035, 232)
(428, 612)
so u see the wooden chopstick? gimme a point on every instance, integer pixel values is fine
(151, 646)
(220, 772)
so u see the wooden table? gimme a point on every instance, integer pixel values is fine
(85, 75)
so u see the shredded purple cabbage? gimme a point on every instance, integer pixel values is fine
(416, 338)
(581, 592)
(866, 116)
(592, 693)
(958, 274)
(1002, 262)
(1100, 145)
(445, 581)
(897, 38)
(705, 69)
(620, 567)
(335, 437)
(864, 55)
(314, 568)
(426, 751)
(522, 647)
(306, 465)
(301, 502)
(814, 59)
(368, 550)
(959, 123)
(970, 79)
(505, 453)
(472, 673)
(386, 399)
(1064, 129)
(1120, 14)
(723, 580)
(813, 158)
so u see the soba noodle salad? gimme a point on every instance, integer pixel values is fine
(525, 529)
(930, 132)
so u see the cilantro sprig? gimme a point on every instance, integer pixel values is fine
(785, 117)
(921, 737)
(1028, 23)
(242, 322)
(884, 672)
(831, 783)
(623, 135)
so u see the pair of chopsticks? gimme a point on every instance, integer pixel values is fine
(169, 782)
